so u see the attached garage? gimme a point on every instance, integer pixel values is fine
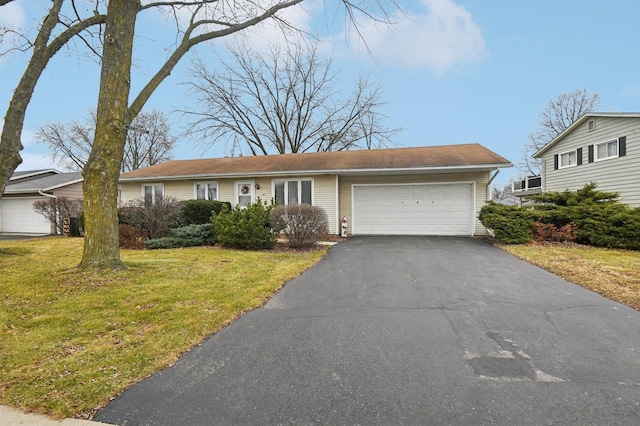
(414, 209)
(18, 216)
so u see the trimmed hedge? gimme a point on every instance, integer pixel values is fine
(247, 228)
(200, 211)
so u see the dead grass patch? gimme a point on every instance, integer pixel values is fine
(614, 274)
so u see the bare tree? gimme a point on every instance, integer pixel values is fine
(560, 113)
(149, 141)
(284, 101)
(197, 21)
(58, 209)
(54, 32)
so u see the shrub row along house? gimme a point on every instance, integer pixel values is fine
(433, 190)
(598, 147)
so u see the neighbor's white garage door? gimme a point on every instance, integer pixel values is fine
(19, 216)
(415, 209)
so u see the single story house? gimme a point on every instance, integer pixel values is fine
(599, 147)
(431, 190)
(26, 187)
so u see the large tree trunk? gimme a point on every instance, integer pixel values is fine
(102, 169)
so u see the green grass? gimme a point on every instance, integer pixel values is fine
(70, 340)
(612, 273)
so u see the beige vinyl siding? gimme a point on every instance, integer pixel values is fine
(130, 191)
(73, 191)
(480, 179)
(324, 188)
(614, 174)
(182, 190)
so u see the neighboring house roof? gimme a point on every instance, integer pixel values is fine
(579, 121)
(44, 183)
(451, 158)
(32, 173)
(508, 200)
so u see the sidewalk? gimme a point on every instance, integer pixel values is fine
(10, 416)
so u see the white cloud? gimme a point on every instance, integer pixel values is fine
(261, 34)
(271, 32)
(440, 37)
(12, 16)
(631, 91)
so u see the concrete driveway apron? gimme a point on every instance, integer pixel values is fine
(408, 330)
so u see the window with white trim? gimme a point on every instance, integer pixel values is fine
(206, 190)
(606, 150)
(152, 192)
(568, 159)
(292, 191)
(591, 125)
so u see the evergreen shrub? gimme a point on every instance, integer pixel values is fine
(245, 228)
(200, 211)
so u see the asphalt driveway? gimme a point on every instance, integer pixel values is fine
(408, 330)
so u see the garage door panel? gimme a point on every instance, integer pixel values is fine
(19, 216)
(415, 209)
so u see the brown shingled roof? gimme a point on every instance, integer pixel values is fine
(418, 158)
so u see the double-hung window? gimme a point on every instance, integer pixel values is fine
(606, 150)
(152, 193)
(568, 159)
(206, 190)
(292, 191)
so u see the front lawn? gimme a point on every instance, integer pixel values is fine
(70, 340)
(612, 273)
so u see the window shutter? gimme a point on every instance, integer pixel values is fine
(622, 146)
(579, 156)
(591, 153)
(555, 162)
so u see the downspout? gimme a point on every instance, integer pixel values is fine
(55, 225)
(489, 195)
(491, 179)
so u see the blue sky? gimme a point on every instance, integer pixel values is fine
(452, 71)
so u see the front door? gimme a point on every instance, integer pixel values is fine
(244, 193)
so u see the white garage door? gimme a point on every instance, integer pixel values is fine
(416, 209)
(19, 216)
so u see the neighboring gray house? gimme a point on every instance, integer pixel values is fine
(599, 147)
(24, 188)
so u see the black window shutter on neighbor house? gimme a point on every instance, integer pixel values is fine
(591, 153)
(579, 157)
(622, 146)
(555, 162)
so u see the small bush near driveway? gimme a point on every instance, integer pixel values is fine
(303, 224)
